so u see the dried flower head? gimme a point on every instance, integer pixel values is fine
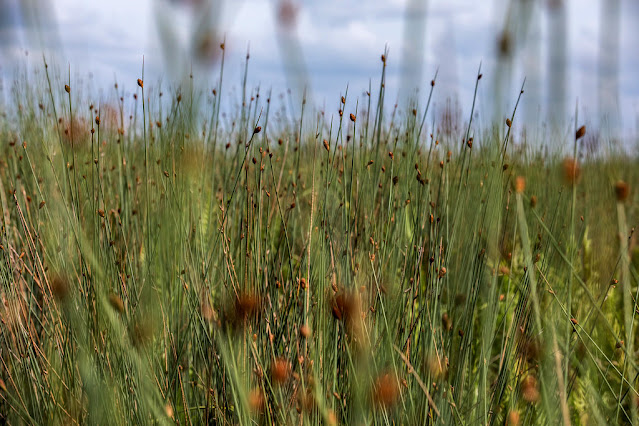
(67, 88)
(140, 83)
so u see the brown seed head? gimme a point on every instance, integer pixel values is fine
(533, 201)
(571, 171)
(67, 88)
(59, 287)
(256, 400)
(508, 122)
(442, 272)
(530, 389)
(280, 371)
(622, 190)
(580, 132)
(385, 391)
(513, 418)
(305, 331)
(116, 303)
(447, 324)
(353, 118)
(520, 184)
(140, 83)
(327, 146)
(257, 130)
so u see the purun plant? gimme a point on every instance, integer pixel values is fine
(192, 265)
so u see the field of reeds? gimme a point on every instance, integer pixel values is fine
(165, 260)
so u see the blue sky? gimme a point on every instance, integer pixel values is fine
(341, 43)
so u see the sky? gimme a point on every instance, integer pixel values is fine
(340, 42)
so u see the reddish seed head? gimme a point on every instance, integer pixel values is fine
(305, 331)
(140, 83)
(520, 184)
(353, 118)
(256, 400)
(257, 130)
(513, 418)
(622, 190)
(280, 371)
(508, 122)
(385, 391)
(529, 389)
(571, 171)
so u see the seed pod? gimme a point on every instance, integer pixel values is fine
(353, 118)
(508, 122)
(140, 83)
(67, 88)
(257, 130)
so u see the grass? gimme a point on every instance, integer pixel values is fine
(344, 267)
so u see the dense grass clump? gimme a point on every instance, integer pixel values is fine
(167, 263)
